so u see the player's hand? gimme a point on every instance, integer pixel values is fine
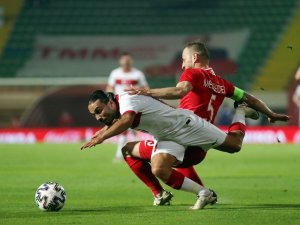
(137, 91)
(93, 142)
(98, 133)
(279, 117)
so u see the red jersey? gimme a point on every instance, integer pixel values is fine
(208, 93)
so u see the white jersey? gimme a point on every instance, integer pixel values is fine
(169, 124)
(297, 92)
(121, 80)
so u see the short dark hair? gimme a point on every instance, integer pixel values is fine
(125, 54)
(102, 96)
(199, 47)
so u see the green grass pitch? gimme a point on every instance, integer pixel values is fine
(259, 185)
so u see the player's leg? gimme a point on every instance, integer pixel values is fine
(191, 173)
(137, 155)
(193, 156)
(236, 132)
(167, 155)
(122, 138)
(201, 133)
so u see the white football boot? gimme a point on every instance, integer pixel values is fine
(163, 198)
(204, 198)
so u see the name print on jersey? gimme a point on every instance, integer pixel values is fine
(220, 89)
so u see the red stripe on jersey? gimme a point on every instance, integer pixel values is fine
(117, 104)
(126, 82)
(129, 111)
(137, 120)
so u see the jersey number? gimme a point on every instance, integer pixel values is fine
(210, 107)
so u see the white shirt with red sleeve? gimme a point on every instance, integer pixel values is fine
(297, 92)
(169, 124)
(121, 80)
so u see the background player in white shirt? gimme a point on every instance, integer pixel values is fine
(174, 130)
(119, 79)
(296, 95)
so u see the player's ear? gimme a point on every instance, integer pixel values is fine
(111, 103)
(195, 57)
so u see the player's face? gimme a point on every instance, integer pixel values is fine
(104, 113)
(126, 62)
(187, 59)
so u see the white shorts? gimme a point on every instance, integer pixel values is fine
(199, 132)
(171, 148)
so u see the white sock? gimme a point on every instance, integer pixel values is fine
(239, 116)
(191, 186)
(121, 141)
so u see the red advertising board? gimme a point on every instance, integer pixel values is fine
(268, 135)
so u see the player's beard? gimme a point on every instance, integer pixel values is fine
(109, 120)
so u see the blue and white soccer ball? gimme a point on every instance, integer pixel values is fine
(50, 196)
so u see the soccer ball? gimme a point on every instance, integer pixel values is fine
(50, 196)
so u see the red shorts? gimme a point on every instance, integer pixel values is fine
(192, 156)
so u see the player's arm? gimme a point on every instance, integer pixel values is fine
(120, 126)
(110, 87)
(296, 99)
(297, 74)
(259, 105)
(100, 132)
(116, 128)
(181, 89)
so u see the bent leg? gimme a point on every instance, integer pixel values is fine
(166, 156)
(193, 156)
(191, 173)
(140, 167)
(234, 139)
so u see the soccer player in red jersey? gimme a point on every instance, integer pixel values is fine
(173, 130)
(201, 91)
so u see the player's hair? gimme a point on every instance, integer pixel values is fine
(125, 54)
(199, 47)
(102, 96)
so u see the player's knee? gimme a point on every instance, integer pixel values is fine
(127, 149)
(235, 148)
(160, 172)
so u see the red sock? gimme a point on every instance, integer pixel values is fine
(142, 170)
(190, 172)
(237, 126)
(175, 180)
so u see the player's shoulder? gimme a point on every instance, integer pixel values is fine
(192, 73)
(116, 71)
(137, 71)
(124, 95)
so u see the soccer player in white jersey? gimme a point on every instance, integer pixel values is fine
(173, 129)
(296, 95)
(119, 79)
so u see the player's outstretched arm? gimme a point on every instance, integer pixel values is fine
(118, 127)
(181, 89)
(262, 107)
